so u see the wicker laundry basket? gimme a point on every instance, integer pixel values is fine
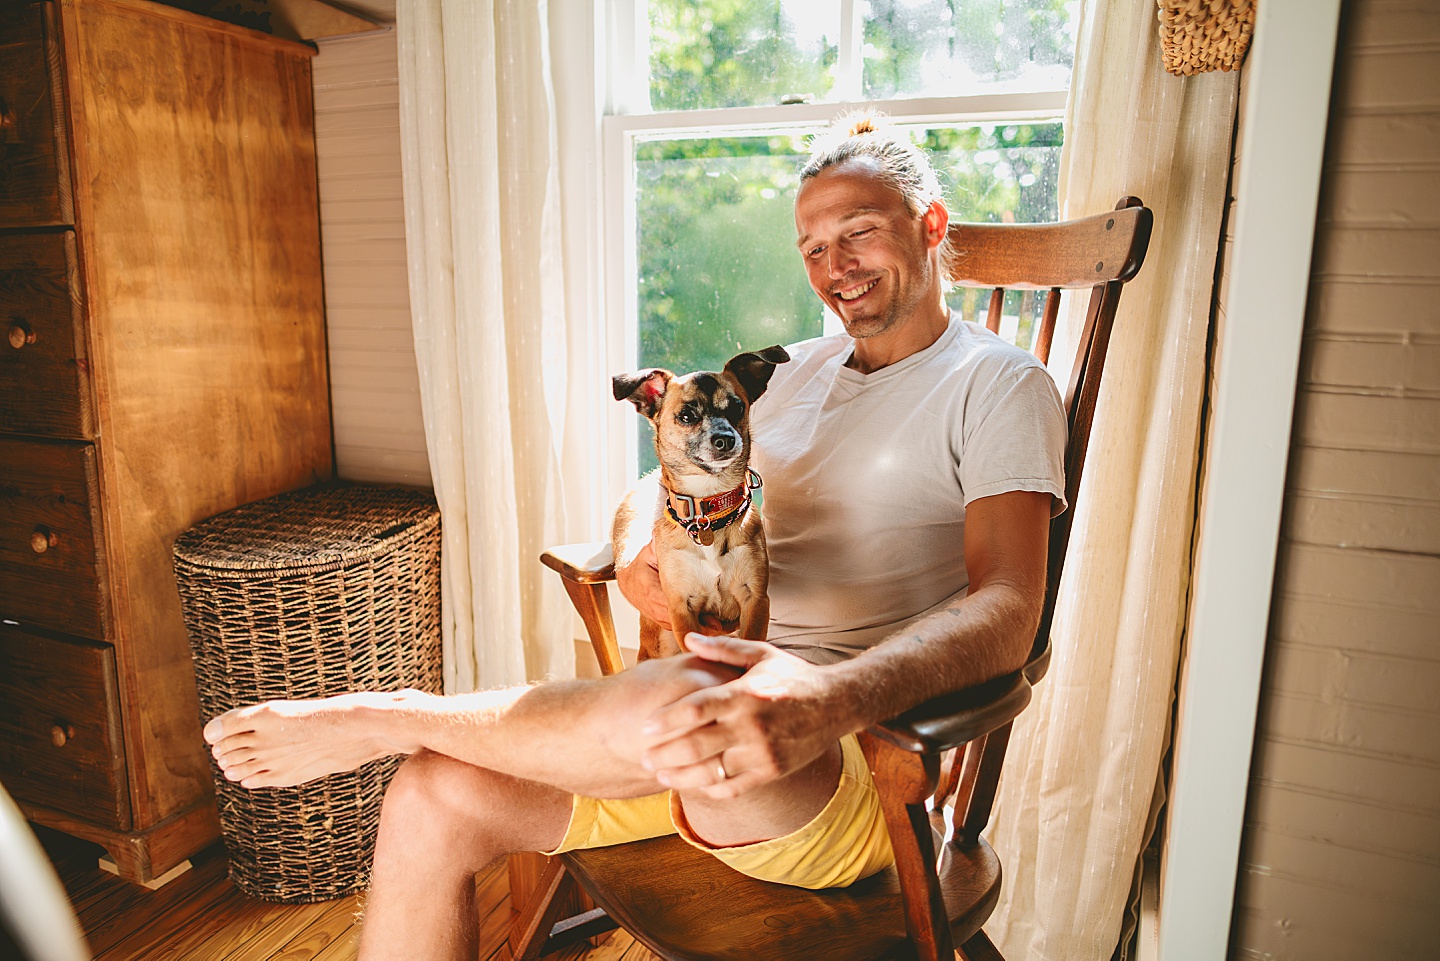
(320, 591)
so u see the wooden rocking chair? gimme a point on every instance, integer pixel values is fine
(687, 906)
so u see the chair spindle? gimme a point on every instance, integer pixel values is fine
(980, 797)
(909, 779)
(997, 301)
(1047, 325)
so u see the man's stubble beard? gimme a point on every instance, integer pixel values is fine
(895, 313)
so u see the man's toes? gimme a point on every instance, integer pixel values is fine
(240, 770)
(235, 760)
(242, 744)
(226, 725)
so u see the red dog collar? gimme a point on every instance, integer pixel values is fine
(704, 515)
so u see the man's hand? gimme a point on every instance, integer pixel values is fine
(778, 716)
(639, 581)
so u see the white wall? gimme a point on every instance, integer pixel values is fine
(1287, 83)
(1341, 855)
(374, 385)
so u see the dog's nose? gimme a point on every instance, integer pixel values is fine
(724, 443)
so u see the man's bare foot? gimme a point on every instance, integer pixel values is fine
(284, 743)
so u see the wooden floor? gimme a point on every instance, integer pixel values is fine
(201, 916)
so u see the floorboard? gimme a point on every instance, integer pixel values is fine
(202, 916)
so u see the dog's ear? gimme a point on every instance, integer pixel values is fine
(643, 388)
(753, 369)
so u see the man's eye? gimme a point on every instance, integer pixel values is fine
(814, 252)
(862, 232)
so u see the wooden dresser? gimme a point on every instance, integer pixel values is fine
(162, 358)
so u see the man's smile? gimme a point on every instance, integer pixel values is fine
(854, 293)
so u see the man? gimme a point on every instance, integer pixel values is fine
(911, 469)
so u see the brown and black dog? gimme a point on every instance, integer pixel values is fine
(708, 541)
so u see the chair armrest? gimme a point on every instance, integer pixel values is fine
(584, 569)
(958, 718)
(1039, 665)
(592, 563)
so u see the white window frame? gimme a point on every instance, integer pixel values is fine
(628, 118)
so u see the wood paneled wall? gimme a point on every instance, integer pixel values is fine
(375, 389)
(1341, 854)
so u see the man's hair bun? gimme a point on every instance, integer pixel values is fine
(863, 124)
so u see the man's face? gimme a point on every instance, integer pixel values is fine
(867, 256)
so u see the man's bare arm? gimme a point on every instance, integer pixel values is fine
(783, 712)
(984, 635)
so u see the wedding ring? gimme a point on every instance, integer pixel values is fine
(720, 768)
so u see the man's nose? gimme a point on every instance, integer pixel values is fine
(841, 262)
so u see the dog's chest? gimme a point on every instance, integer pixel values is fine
(713, 572)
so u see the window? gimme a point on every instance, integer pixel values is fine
(711, 102)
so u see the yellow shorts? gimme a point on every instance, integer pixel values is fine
(845, 842)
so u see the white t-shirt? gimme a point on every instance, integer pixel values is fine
(867, 477)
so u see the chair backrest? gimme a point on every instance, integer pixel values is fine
(1100, 253)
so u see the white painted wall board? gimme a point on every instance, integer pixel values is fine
(1285, 112)
(375, 386)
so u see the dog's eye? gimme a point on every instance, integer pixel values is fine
(686, 416)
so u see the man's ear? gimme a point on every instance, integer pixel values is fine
(753, 369)
(937, 223)
(643, 388)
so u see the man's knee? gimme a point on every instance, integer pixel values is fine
(423, 790)
(438, 800)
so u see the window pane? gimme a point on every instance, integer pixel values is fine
(999, 173)
(715, 244)
(950, 48)
(740, 53)
(718, 271)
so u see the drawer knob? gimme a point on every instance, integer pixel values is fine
(61, 733)
(43, 539)
(20, 334)
(9, 129)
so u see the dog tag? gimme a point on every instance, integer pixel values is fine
(705, 537)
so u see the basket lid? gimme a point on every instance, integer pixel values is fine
(315, 527)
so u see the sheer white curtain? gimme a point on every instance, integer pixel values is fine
(1085, 757)
(482, 226)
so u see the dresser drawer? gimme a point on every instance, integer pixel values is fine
(44, 375)
(60, 732)
(50, 570)
(34, 154)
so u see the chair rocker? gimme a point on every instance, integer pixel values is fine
(687, 906)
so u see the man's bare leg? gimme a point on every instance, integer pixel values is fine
(582, 736)
(444, 821)
(522, 753)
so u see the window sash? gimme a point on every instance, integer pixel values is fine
(629, 118)
(621, 132)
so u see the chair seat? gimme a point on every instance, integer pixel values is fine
(685, 905)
